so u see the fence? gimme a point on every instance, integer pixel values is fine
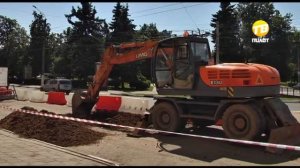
(288, 91)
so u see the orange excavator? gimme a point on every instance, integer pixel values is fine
(245, 96)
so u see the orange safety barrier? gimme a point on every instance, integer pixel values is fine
(56, 98)
(108, 103)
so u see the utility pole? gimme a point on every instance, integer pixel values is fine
(298, 66)
(43, 63)
(217, 42)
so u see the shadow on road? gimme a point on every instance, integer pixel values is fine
(209, 150)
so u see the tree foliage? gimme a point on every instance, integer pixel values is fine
(278, 50)
(39, 34)
(13, 46)
(85, 41)
(122, 30)
(229, 45)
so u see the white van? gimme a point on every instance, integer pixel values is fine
(64, 85)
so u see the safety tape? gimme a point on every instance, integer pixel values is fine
(270, 145)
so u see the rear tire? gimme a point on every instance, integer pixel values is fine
(242, 121)
(165, 117)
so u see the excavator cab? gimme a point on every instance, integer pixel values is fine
(176, 61)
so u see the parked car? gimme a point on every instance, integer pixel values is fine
(64, 85)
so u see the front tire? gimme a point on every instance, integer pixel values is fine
(165, 117)
(242, 121)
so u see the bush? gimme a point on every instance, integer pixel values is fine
(79, 84)
(115, 82)
(140, 85)
(291, 84)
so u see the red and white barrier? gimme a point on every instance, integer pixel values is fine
(69, 99)
(133, 105)
(109, 103)
(56, 98)
(270, 145)
(37, 96)
(22, 94)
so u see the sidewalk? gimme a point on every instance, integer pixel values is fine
(17, 151)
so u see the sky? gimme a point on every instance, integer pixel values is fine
(172, 16)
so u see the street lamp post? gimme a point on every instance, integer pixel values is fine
(298, 66)
(43, 54)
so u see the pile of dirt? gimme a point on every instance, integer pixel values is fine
(120, 118)
(56, 131)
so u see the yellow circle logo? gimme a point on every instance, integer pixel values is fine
(260, 28)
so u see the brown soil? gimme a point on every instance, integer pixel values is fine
(56, 131)
(119, 118)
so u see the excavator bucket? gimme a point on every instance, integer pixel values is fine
(288, 133)
(80, 106)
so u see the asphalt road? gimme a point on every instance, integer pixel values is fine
(294, 107)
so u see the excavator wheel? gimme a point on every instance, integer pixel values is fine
(165, 117)
(243, 121)
(80, 107)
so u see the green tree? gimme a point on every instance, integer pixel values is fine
(62, 56)
(165, 34)
(86, 40)
(13, 46)
(146, 32)
(277, 52)
(229, 48)
(122, 30)
(54, 42)
(39, 34)
(293, 62)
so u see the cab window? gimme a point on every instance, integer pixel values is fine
(200, 50)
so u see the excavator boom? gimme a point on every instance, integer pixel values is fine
(82, 102)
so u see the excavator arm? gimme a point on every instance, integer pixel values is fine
(82, 102)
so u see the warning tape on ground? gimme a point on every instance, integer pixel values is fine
(270, 145)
